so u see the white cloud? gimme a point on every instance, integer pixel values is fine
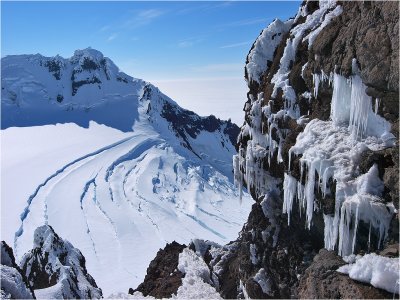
(189, 42)
(112, 37)
(247, 43)
(246, 22)
(222, 97)
(104, 28)
(230, 67)
(143, 17)
(149, 14)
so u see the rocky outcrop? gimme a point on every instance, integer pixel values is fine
(163, 277)
(321, 280)
(14, 284)
(55, 269)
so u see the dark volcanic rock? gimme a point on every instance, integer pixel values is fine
(321, 280)
(163, 278)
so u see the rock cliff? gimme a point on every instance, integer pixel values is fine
(318, 152)
(319, 146)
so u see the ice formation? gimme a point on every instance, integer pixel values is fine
(263, 280)
(263, 122)
(314, 21)
(327, 19)
(264, 48)
(379, 271)
(331, 150)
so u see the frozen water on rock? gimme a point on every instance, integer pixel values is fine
(289, 195)
(264, 48)
(253, 254)
(331, 150)
(264, 281)
(281, 78)
(248, 168)
(327, 19)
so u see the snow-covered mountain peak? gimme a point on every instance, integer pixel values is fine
(88, 53)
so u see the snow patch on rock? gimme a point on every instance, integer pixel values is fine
(197, 283)
(379, 271)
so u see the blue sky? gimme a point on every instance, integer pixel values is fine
(160, 42)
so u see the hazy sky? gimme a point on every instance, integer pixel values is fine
(193, 51)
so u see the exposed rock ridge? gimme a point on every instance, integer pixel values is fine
(163, 277)
(55, 269)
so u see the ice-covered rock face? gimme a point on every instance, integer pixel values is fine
(326, 151)
(320, 140)
(55, 269)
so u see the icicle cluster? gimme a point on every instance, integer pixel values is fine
(248, 164)
(331, 150)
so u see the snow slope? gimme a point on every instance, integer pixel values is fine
(153, 173)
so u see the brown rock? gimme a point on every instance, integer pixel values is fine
(321, 280)
(163, 278)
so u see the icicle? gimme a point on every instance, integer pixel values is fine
(237, 175)
(359, 109)
(355, 230)
(309, 193)
(369, 237)
(329, 239)
(376, 105)
(300, 195)
(316, 80)
(344, 231)
(289, 194)
(341, 99)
